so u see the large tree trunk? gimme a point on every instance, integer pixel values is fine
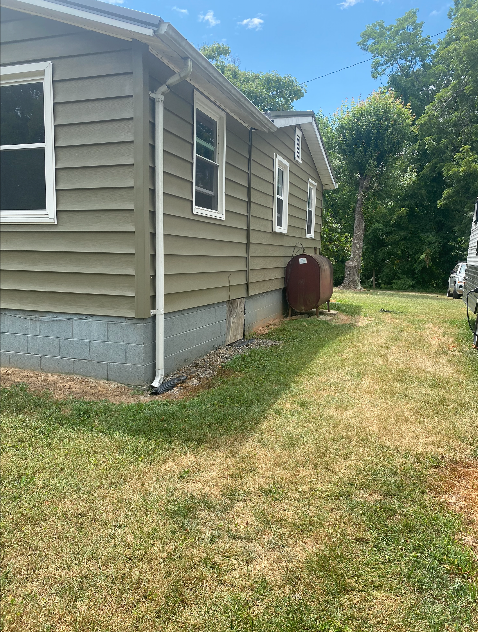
(352, 266)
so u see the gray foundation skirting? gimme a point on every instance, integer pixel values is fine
(191, 333)
(262, 308)
(121, 349)
(103, 347)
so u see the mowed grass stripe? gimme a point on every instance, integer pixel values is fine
(296, 495)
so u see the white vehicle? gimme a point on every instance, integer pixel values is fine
(456, 280)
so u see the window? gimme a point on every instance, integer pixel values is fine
(281, 195)
(209, 159)
(27, 158)
(311, 199)
(298, 145)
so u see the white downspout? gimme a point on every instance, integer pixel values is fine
(158, 97)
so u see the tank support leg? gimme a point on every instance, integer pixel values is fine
(328, 306)
(290, 311)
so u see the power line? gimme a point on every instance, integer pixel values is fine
(357, 63)
(339, 70)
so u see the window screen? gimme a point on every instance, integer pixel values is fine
(22, 140)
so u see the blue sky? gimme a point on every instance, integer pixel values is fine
(305, 39)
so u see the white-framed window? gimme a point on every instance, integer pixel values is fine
(27, 154)
(311, 201)
(281, 194)
(298, 144)
(209, 171)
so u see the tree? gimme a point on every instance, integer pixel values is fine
(402, 53)
(448, 130)
(371, 137)
(269, 91)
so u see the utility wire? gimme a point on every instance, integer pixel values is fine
(339, 70)
(357, 63)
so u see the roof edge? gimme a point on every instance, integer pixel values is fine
(308, 122)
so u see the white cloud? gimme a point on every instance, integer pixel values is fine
(209, 18)
(348, 3)
(441, 10)
(182, 12)
(252, 23)
(114, 1)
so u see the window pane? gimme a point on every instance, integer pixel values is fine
(206, 136)
(280, 208)
(280, 181)
(22, 179)
(204, 200)
(21, 114)
(206, 175)
(309, 221)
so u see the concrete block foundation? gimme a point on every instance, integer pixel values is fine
(102, 347)
(121, 349)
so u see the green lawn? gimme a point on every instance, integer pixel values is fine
(299, 494)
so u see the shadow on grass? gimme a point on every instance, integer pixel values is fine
(232, 408)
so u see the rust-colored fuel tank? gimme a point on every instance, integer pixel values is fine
(309, 282)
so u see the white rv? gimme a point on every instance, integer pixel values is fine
(470, 290)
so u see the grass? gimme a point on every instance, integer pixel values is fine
(295, 496)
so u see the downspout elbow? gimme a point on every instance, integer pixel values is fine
(183, 74)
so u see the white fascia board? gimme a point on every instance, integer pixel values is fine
(314, 141)
(289, 121)
(325, 172)
(84, 15)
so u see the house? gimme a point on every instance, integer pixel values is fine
(470, 296)
(148, 208)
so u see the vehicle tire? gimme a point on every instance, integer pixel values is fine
(448, 293)
(455, 293)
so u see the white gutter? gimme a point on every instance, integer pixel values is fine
(89, 15)
(158, 97)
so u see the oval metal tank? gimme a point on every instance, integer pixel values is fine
(309, 282)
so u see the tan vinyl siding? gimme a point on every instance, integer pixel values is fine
(270, 251)
(205, 258)
(68, 303)
(86, 262)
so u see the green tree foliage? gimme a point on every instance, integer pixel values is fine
(449, 128)
(402, 53)
(269, 91)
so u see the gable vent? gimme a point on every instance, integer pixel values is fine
(298, 145)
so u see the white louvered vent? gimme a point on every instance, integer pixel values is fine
(298, 145)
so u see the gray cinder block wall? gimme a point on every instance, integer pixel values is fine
(121, 349)
(103, 347)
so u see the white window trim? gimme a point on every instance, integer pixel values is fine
(208, 108)
(298, 144)
(31, 73)
(312, 186)
(279, 161)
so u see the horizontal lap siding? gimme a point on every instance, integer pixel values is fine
(85, 263)
(271, 251)
(205, 258)
(471, 277)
